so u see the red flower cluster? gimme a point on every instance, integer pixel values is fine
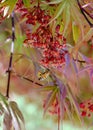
(52, 51)
(86, 108)
(34, 15)
(37, 15)
(51, 45)
(20, 8)
(54, 108)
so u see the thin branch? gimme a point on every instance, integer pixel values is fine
(11, 56)
(87, 13)
(81, 61)
(30, 80)
(82, 11)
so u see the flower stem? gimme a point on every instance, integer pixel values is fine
(11, 55)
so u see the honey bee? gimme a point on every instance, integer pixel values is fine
(43, 75)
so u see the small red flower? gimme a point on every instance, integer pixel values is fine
(54, 107)
(91, 108)
(89, 115)
(84, 113)
(86, 107)
(82, 105)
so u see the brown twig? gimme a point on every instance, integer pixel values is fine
(83, 12)
(30, 80)
(81, 61)
(11, 55)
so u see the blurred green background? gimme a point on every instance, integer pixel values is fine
(34, 120)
